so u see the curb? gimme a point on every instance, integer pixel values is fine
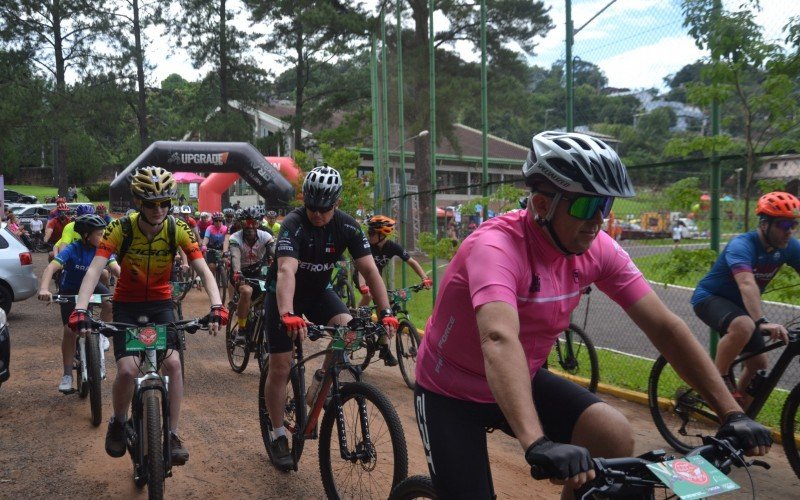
(635, 397)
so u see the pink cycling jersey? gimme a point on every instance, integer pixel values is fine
(510, 259)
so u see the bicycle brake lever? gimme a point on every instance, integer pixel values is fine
(760, 463)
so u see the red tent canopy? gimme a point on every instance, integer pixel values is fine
(186, 177)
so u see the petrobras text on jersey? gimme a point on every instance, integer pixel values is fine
(317, 268)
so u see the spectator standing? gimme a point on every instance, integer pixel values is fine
(677, 233)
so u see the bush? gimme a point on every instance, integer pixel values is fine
(96, 192)
(441, 249)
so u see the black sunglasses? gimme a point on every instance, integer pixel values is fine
(321, 210)
(153, 205)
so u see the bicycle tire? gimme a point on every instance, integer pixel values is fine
(155, 447)
(573, 353)
(790, 428)
(679, 413)
(383, 462)
(81, 383)
(414, 487)
(182, 354)
(238, 353)
(294, 417)
(407, 342)
(260, 344)
(93, 354)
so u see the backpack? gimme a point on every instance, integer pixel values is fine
(127, 236)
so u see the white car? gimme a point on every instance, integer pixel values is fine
(17, 279)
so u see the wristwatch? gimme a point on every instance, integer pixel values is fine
(760, 321)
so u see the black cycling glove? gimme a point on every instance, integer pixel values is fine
(749, 432)
(557, 460)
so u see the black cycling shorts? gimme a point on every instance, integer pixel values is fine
(454, 431)
(718, 313)
(68, 307)
(319, 309)
(158, 312)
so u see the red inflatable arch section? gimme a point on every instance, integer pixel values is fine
(211, 189)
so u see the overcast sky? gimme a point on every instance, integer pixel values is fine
(635, 42)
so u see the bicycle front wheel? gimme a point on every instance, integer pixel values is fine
(260, 346)
(81, 383)
(407, 343)
(681, 415)
(576, 355)
(93, 353)
(155, 447)
(368, 425)
(790, 429)
(237, 349)
(414, 487)
(294, 412)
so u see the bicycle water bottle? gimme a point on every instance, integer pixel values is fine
(316, 385)
(755, 384)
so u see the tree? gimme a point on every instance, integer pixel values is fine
(308, 34)
(204, 28)
(683, 194)
(741, 69)
(59, 35)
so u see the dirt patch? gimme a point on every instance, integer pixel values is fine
(48, 447)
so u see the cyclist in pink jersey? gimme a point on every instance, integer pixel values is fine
(480, 363)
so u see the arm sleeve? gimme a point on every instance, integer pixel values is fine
(620, 279)
(738, 256)
(111, 241)
(185, 239)
(495, 279)
(287, 243)
(357, 243)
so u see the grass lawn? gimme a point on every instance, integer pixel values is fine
(42, 192)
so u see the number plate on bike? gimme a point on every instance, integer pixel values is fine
(146, 337)
(692, 477)
(347, 341)
(96, 299)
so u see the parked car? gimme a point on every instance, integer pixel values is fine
(5, 348)
(25, 214)
(15, 197)
(17, 280)
(689, 229)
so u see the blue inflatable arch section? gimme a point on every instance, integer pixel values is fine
(233, 157)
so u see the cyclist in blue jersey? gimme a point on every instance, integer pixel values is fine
(728, 298)
(74, 259)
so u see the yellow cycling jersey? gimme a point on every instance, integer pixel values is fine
(68, 235)
(147, 264)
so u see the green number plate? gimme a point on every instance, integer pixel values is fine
(349, 341)
(96, 299)
(146, 337)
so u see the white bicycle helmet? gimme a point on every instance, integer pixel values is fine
(322, 187)
(577, 163)
(186, 209)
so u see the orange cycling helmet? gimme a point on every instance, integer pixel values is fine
(778, 204)
(381, 224)
(62, 207)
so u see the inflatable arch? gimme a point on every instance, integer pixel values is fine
(236, 158)
(211, 189)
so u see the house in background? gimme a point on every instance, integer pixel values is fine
(784, 167)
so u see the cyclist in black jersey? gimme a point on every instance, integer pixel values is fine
(379, 229)
(311, 241)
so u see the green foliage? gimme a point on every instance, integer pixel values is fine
(441, 249)
(96, 192)
(683, 194)
(769, 185)
(678, 266)
(355, 195)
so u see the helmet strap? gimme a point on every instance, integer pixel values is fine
(765, 232)
(545, 222)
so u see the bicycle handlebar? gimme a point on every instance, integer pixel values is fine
(316, 332)
(64, 299)
(187, 325)
(614, 475)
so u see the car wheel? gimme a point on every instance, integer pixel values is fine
(6, 298)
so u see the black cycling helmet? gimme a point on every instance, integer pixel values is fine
(272, 214)
(577, 163)
(229, 212)
(254, 212)
(322, 187)
(85, 224)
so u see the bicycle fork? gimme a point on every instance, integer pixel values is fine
(363, 451)
(150, 381)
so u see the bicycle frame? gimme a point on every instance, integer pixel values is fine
(151, 380)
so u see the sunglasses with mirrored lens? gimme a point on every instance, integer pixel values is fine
(786, 225)
(585, 207)
(321, 210)
(153, 205)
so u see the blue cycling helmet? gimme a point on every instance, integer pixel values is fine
(84, 210)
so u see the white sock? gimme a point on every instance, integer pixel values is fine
(276, 433)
